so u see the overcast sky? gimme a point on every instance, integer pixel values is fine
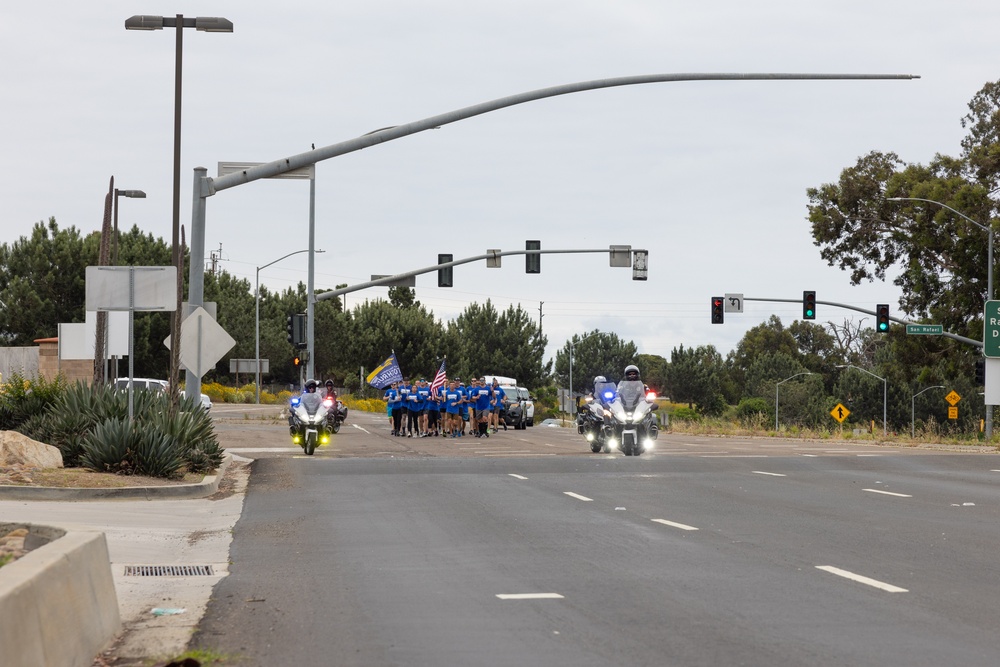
(710, 177)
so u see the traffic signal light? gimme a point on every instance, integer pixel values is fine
(640, 265)
(297, 361)
(809, 305)
(980, 372)
(882, 317)
(296, 327)
(718, 314)
(445, 275)
(532, 261)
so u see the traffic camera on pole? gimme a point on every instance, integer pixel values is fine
(809, 305)
(882, 317)
(718, 312)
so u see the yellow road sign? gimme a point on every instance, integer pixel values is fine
(953, 412)
(840, 413)
(953, 398)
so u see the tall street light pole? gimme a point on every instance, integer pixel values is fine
(571, 345)
(989, 276)
(885, 393)
(776, 397)
(913, 409)
(204, 24)
(257, 296)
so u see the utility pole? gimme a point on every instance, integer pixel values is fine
(540, 304)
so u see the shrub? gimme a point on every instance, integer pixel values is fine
(685, 414)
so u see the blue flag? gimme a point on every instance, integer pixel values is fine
(387, 373)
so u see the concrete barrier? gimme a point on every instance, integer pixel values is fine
(58, 601)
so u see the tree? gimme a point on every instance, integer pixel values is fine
(939, 254)
(771, 336)
(379, 328)
(695, 377)
(43, 281)
(484, 341)
(403, 297)
(596, 353)
(654, 370)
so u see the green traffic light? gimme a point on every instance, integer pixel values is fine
(809, 313)
(883, 326)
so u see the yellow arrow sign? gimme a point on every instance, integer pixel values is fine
(840, 413)
(953, 398)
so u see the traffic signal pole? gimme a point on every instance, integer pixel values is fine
(492, 255)
(961, 339)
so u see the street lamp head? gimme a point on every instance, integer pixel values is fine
(134, 194)
(841, 365)
(895, 199)
(213, 24)
(144, 22)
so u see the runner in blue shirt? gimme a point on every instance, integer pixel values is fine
(453, 420)
(404, 407)
(391, 396)
(483, 396)
(424, 400)
(498, 406)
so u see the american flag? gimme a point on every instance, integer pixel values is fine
(439, 380)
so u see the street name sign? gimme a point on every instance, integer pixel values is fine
(925, 329)
(991, 329)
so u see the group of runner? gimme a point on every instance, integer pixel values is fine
(414, 409)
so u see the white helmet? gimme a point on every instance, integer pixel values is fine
(630, 369)
(599, 379)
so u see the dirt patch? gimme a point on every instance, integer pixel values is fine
(81, 478)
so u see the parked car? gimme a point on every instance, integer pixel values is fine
(142, 383)
(206, 402)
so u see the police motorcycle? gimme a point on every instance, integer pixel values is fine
(308, 421)
(631, 424)
(590, 418)
(338, 415)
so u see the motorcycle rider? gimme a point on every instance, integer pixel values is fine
(309, 388)
(631, 375)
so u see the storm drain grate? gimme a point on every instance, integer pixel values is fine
(168, 570)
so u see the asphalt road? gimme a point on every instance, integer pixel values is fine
(525, 549)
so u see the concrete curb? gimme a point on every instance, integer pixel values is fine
(58, 601)
(205, 487)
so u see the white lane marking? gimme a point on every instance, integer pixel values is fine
(735, 456)
(523, 440)
(547, 444)
(772, 474)
(486, 456)
(517, 476)
(529, 596)
(861, 580)
(995, 471)
(812, 456)
(887, 493)
(360, 429)
(578, 496)
(860, 455)
(682, 526)
(502, 451)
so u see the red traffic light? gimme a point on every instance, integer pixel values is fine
(718, 314)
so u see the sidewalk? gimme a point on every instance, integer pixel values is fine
(157, 530)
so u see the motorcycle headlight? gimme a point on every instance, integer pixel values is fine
(612, 443)
(590, 437)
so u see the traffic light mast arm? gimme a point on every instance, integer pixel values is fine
(388, 280)
(961, 339)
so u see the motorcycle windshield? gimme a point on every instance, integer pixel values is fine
(602, 391)
(312, 403)
(631, 393)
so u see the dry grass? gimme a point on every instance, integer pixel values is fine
(79, 478)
